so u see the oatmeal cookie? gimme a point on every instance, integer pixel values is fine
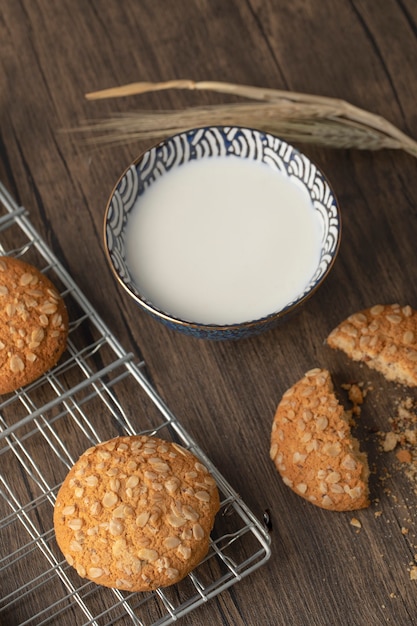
(33, 324)
(135, 513)
(384, 337)
(313, 449)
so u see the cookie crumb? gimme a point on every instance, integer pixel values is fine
(355, 522)
(413, 573)
(390, 442)
(404, 456)
(356, 395)
(403, 434)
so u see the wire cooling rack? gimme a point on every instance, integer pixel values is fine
(97, 391)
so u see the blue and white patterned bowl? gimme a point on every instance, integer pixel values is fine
(206, 143)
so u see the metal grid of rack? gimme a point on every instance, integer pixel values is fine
(97, 391)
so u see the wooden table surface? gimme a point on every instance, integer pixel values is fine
(324, 571)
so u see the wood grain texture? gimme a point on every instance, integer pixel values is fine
(323, 571)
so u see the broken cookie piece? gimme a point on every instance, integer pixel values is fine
(384, 337)
(313, 448)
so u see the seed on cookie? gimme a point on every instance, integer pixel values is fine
(16, 364)
(171, 542)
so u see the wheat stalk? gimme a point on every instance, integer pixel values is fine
(296, 117)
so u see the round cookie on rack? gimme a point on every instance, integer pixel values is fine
(33, 324)
(135, 513)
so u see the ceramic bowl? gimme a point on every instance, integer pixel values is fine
(204, 145)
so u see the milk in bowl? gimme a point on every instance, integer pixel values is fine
(222, 241)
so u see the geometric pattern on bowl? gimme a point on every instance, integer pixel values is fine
(215, 141)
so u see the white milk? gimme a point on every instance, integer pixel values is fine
(223, 240)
